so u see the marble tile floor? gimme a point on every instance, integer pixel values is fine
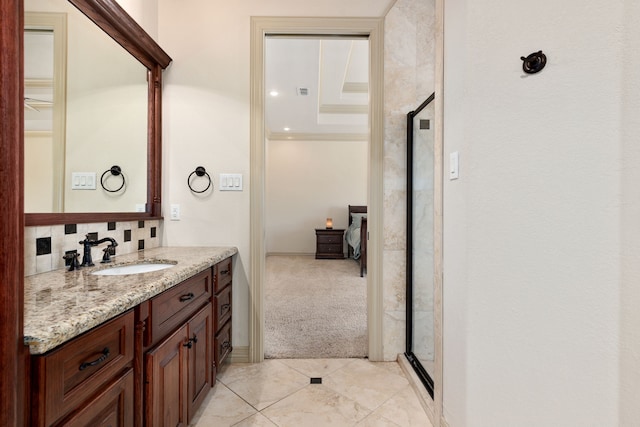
(278, 392)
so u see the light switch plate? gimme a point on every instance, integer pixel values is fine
(83, 180)
(230, 182)
(454, 165)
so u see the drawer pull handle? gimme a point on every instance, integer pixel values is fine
(187, 297)
(195, 338)
(187, 344)
(225, 306)
(225, 345)
(99, 360)
(223, 272)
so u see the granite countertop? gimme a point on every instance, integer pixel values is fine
(60, 305)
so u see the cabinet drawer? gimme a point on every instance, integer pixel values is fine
(222, 308)
(112, 407)
(330, 238)
(222, 344)
(172, 307)
(68, 375)
(222, 274)
(332, 249)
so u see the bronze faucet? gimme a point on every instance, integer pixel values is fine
(87, 244)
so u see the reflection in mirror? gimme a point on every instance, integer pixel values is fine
(420, 241)
(85, 123)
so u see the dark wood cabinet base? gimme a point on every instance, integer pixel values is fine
(329, 243)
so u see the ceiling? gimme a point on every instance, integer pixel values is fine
(335, 73)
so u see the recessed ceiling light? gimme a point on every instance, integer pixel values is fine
(287, 129)
(273, 93)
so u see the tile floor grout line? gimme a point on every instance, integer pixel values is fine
(271, 404)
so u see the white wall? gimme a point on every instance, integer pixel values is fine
(630, 217)
(206, 118)
(145, 12)
(535, 225)
(306, 183)
(38, 154)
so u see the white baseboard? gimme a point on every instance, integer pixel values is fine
(240, 354)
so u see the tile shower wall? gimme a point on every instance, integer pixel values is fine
(409, 69)
(46, 245)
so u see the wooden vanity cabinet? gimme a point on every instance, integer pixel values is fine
(152, 365)
(88, 380)
(178, 364)
(222, 309)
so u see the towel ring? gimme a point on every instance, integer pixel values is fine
(200, 171)
(115, 171)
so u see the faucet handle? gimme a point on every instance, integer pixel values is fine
(73, 260)
(108, 252)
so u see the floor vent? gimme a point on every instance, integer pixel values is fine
(316, 380)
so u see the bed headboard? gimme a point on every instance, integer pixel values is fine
(356, 209)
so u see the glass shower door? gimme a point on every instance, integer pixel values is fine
(420, 242)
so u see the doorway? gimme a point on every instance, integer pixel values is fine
(316, 159)
(262, 28)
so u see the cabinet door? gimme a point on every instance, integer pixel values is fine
(112, 407)
(166, 381)
(200, 358)
(64, 378)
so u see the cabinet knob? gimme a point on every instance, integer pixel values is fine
(191, 341)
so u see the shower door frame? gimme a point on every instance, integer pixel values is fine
(420, 371)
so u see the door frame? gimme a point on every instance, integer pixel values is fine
(373, 29)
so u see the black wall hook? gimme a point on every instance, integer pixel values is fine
(534, 63)
(200, 171)
(115, 170)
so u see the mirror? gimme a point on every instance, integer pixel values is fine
(105, 112)
(420, 242)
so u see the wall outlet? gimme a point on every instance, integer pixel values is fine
(175, 213)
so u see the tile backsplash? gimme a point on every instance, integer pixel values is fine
(45, 246)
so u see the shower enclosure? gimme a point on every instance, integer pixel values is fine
(420, 241)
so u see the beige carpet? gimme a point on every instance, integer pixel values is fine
(314, 308)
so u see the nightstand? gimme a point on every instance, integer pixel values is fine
(329, 243)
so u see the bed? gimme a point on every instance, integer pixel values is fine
(356, 236)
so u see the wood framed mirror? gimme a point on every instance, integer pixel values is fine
(110, 17)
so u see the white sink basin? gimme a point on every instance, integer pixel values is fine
(132, 269)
